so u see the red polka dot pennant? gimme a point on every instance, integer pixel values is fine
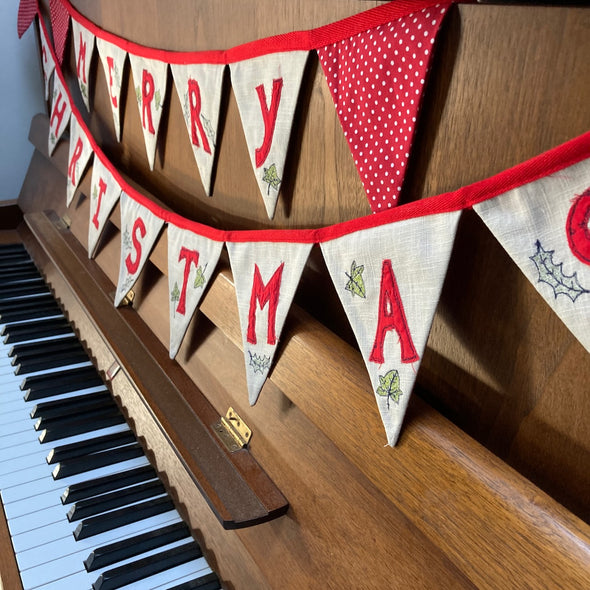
(376, 79)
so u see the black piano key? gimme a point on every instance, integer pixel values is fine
(21, 275)
(107, 483)
(43, 386)
(86, 447)
(23, 331)
(147, 566)
(106, 555)
(32, 311)
(117, 499)
(209, 581)
(32, 349)
(78, 465)
(35, 289)
(81, 426)
(13, 249)
(51, 362)
(99, 409)
(117, 518)
(70, 405)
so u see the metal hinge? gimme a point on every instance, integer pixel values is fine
(233, 432)
(63, 222)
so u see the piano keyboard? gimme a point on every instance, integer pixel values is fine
(84, 507)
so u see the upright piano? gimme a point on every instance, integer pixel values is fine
(488, 485)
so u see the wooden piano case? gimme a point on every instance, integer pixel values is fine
(488, 486)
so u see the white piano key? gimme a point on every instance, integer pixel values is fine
(184, 572)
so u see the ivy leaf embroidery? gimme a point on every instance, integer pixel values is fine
(199, 277)
(356, 284)
(553, 274)
(272, 178)
(389, 386)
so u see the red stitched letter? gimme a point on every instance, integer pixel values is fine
(147, 95)
(194, 99)
(133, 265)
(392, 316)
(264, 294)
(81, 59)
(111, 65)
(578, 232)
(270, 118)
(102, 187)
(189, 256)
(58, 113)
(75, 157)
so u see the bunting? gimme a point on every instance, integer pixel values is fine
(544, 227)
(149, 76)
(266, 90)
(60, 21)
(60, 113)
(80, 152)
(199, 89)
(140, 229)
(387, 269)
(105, 191)
(47, 60)
(83, 46)
(113, 58)
(27, 10)
(191, 263)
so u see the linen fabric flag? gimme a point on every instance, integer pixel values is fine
(191, 261)
(60, 114)
(543, 225)
(104, 194)
(140, 229)
(266, 90)
(199, 89)
(80, 152)
(83, 41)
(266, 275)
(389, 280)
(149, 76)
(376, 80)
(112, 58)
(47, 61)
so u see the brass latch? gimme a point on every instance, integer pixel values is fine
(233, 432)
(64, 222)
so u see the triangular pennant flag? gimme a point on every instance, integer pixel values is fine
(47, 61)
(104, 194)
(544, 227)
(266, 90)
(112, 58)
(199, 89)
(191, 261)
(60, 114)
(389, 280)
(27, 9)
(266, 276)
(60, 20)
(376, 80)
(140, 229)
(80, 152)
(83, 47)
(149, 77)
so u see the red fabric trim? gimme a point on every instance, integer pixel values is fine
(545, 164)
(293, 41)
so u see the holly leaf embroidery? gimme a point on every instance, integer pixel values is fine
(260, 363)
(389, 386)
(356, 284)
(553, 274)
(272, 178)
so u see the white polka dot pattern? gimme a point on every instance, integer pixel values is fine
(376, 80)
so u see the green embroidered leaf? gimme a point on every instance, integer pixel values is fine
(272, 178)
(138, 94)
(175, 294)
(158, 99)
(553, 274)
(356, 284)
(389, 386)
(199, 277)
